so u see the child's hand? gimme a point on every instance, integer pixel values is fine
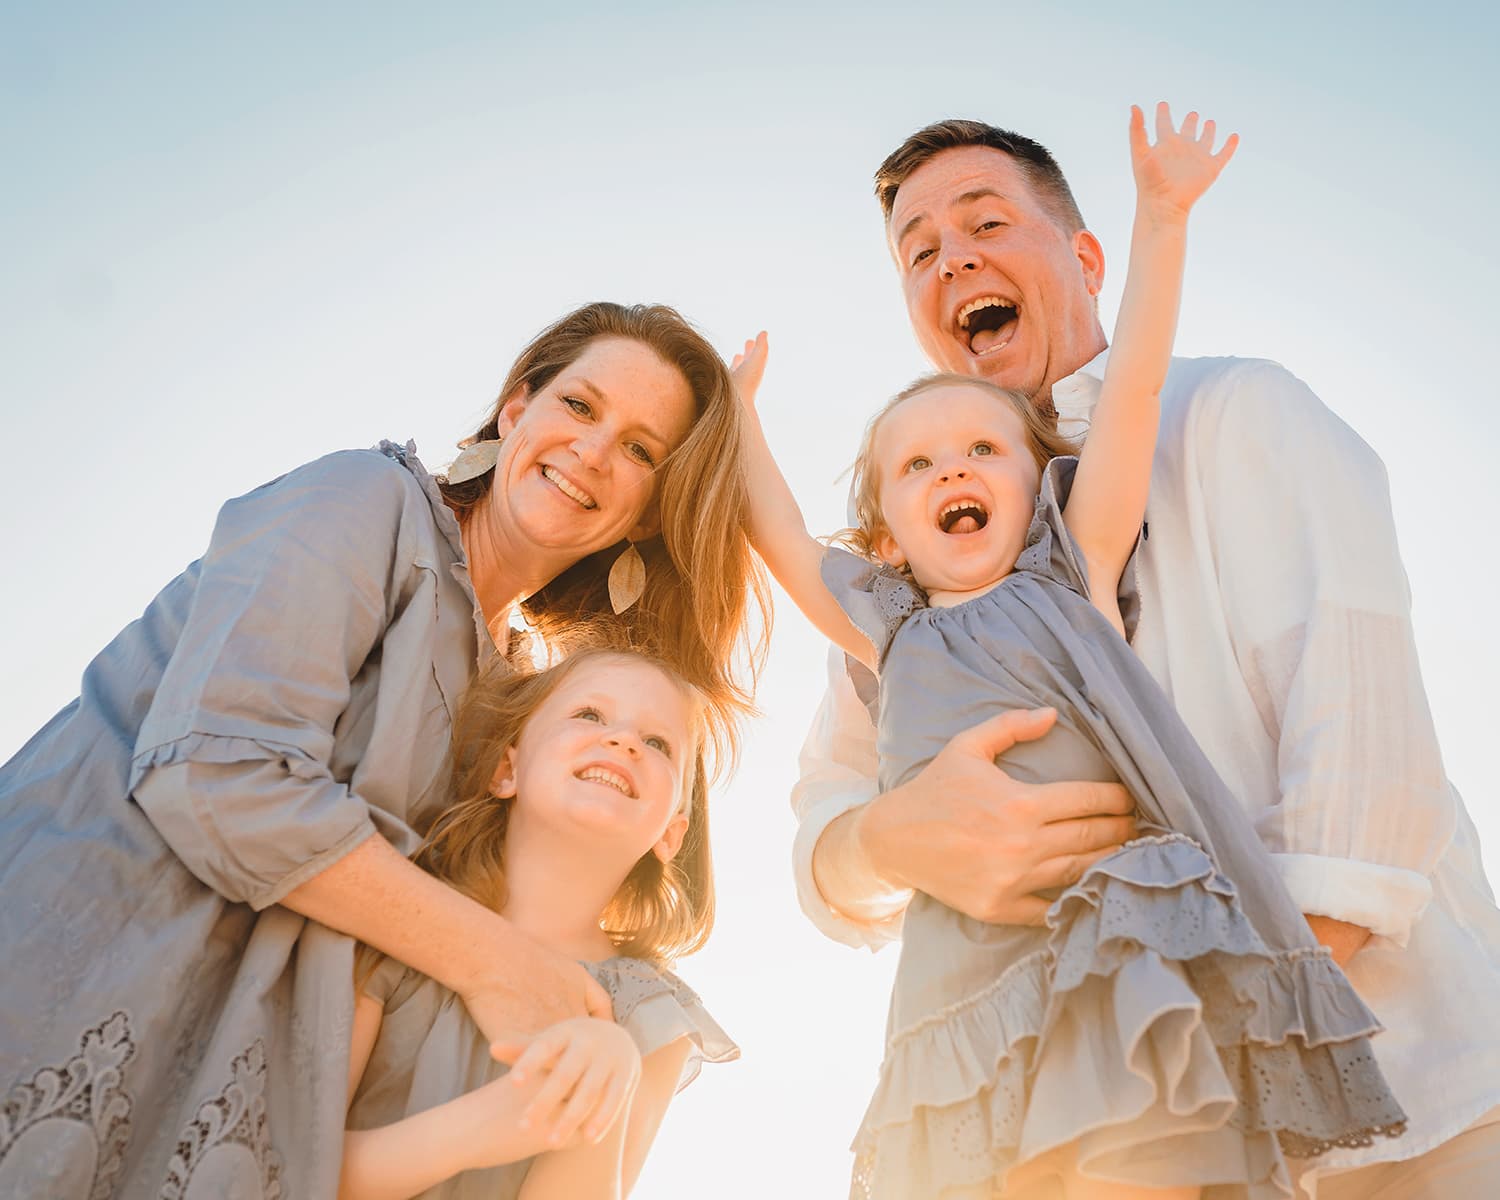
(1171, 175)
(591, 1068)
(748, 366)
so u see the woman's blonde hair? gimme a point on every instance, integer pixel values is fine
(1042, 439)
(661, 910)
(703, 584)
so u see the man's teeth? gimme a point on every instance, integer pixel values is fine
(973, 306)
(568, 489)
(606, 777)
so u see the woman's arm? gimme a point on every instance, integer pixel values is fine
(1108, 499)
(777, 527)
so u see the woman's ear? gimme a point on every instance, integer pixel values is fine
(511, 410)
(649, 525)
(671, 839)
(503, 781)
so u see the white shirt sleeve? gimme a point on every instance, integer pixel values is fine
(1318, 611)
(836, 774)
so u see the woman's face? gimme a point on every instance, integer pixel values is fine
(578, 468)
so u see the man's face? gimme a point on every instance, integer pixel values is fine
(994, 286)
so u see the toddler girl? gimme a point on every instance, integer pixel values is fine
(1168, 1030)
(580, 814)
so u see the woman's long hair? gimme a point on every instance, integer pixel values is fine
(706, 608)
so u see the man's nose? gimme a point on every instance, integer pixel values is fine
(957, 260)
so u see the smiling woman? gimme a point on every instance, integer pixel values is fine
(248, 765)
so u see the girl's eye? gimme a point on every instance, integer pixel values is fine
(640, 454)
(581, 407)
(919, 464)
(660, 744)
(589, 714)
(980, 449)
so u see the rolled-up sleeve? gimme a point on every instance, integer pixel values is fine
(292, 597)
(837, 774)
(1318, 611)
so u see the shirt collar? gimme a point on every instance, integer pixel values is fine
(1075, 395)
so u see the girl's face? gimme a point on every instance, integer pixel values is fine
(605, 756)
(577, 471)
(958, 487)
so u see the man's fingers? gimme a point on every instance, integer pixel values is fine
(999, 734)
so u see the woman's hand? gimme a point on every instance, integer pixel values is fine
(748, 366)
(534, 989)
(1180, 167)
(588, 1070)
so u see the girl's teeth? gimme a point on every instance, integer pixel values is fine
(595, 775)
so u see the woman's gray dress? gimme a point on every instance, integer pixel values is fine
(166, 1029)
(1176, 1026)
(428, 1051)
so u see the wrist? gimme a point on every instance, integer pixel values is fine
(1166, 221)
(495, 953)
(876, 849)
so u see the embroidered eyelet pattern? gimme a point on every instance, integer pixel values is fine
(48, 1116)
(226, 1145)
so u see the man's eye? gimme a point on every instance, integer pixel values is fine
(588, 714)
(919, 464)
(581, 407)
(988, 225)
(980, 449)
(639, 452)
(661, 744)
(920, 255)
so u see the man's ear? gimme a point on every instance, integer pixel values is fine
(887, 551)
(511, 410)
(503, 781)
(671, 839)
(1090, 255)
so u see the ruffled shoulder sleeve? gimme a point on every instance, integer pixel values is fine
(656, 1008)
(877, 598)
(391, 983)
(1052, 553)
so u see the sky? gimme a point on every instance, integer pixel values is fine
(231, 241)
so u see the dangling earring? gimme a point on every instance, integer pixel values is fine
(627, 579)
(475, 459)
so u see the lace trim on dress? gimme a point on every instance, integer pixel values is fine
(658, 1008)
(1233, 1054)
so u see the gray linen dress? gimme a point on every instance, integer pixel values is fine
(167, 1030)
(1178, 1027)
(429, 1051)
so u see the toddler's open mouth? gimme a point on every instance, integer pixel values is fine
(964, 515)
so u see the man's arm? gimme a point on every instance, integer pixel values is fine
(1319, 612)
(962, 830)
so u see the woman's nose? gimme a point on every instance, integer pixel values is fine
(591, 446)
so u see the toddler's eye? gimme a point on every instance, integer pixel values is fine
(660, 744)
(589, 713)
(581, 407)
(980, 449)
(919, 464)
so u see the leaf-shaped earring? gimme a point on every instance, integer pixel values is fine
(475, 460)
(627, 579)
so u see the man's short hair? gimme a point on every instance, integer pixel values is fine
(1034, 160)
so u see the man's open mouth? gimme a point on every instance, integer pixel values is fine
(988, 323)
(963, 516)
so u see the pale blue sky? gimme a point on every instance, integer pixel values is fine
(232, 241)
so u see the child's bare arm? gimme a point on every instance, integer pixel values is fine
(777, 527)
(1108, 500)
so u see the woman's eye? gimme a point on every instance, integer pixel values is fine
(661, 744)
(980, 449)
(581, 407)
(641, 454)
(588, 714)
(919, 464)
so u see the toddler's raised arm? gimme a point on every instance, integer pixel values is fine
(777, 527)
(1108, 500)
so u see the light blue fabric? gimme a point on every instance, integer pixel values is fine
(283, 698)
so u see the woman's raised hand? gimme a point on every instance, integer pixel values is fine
(748, 366)
(1171, 174)
(581, 1074)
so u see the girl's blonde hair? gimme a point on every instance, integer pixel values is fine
(706, 609)
(661, 910)
(1042, 438)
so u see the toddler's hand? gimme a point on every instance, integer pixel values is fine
(591, 1069)
(1180, 167)
(748, 366)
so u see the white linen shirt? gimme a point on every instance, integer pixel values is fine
(1275, 613)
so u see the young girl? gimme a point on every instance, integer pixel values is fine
(1168, 1031)
(580, 814)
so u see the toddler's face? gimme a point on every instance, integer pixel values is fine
(605, 756)
(958, 487)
